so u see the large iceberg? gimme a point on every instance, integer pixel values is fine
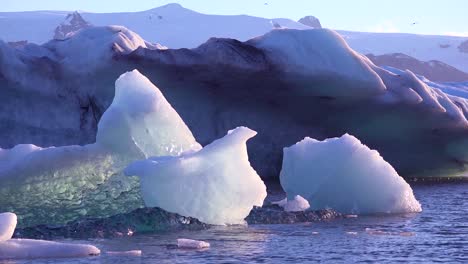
(345, 175)
(216, 185)
(59, 184)
(30, 249)
(287, 78)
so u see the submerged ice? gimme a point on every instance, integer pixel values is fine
(216, 184)
(59, 184)
(344, 175)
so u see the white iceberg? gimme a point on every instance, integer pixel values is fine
(216, 185)
(31, 249)
(298, 204)
(8, 223)
(57, 185)
(345, 175)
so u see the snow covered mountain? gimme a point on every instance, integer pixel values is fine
(178, 27)
(422, 47)
(72, 24)
(433, 70)
(286, 84)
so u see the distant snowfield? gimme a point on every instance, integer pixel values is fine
(178, 27)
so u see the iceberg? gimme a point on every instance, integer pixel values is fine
(59, 184)
(344, 175)
(216, 184)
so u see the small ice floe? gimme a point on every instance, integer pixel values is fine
(298, 204)
(406, 234)
(351, 216)
(130, 253)
(352, 233)
(32, 249)
(371, 231)
(192, 244)
(376, 232)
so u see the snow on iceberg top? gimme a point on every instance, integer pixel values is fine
(88, 48)
(318, 52)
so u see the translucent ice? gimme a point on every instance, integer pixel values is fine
(57, 185)
(345, 175)
(216, 185)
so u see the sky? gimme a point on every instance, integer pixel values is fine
(441, 17)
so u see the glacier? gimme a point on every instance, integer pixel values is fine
(216, 184)
(33, 249)
(344, 175)
(56, 185)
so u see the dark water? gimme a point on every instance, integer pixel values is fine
(438, 234)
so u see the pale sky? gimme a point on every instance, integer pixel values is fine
(429, 16)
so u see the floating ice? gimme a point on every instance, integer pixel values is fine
(298, 204)
(345, 175)
(31, 249)
(132, 253)
(7, 226)
(216, 185)
(57, 185)
(194, 244)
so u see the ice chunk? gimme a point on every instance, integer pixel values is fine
(298, 204)
(133, 253)
(189, 243)
(345, 175)
(33, 249)
(216, 185)
(30, 249)
(7, 226)
(140, 117)
(58, 185)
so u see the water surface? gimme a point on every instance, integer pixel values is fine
(438, 234)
